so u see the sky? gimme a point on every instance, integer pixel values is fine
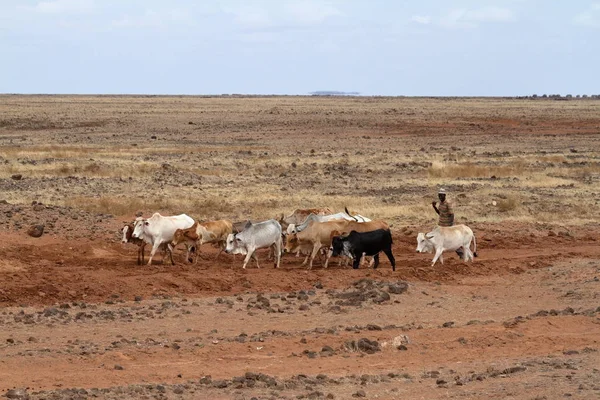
(374, 47)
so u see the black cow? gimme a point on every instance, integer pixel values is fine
(369, 243)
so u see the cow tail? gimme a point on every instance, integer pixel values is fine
(474, 246)
(348, 212)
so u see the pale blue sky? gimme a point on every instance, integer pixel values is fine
(375, 47)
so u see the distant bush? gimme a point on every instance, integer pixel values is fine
(508, 204)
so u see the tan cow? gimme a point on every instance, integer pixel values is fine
(299, 215)
(320, 234)
(207, 232)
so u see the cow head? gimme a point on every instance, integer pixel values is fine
(235, 245)
(340, 245)
(127, 232)
(178, 237)
(291, 243)
(337, 246)
(290, 229)
(424, 244)
(138, 227)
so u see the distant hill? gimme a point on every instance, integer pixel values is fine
(333, 93)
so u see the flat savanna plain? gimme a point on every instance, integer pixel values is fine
(80, 319)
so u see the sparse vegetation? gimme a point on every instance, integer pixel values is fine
(258, 157)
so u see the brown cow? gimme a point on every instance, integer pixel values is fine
(207, 232)
(299, 215)
(320, 234)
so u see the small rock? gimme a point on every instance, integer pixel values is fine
(119, 367)
(17, 394)
(360, 393)
(402, 347)
(178, 390)
(448, 324)
(16, 177)
(35, 231)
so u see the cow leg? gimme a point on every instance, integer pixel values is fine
(170, 254)
(278, 246)
(438, 254)
(390, 256)
(376, 259)
(329, 254)
(221, 248)
(315, 250)
(356, 262)
(371, 263)
(248, 256)
(155, 247)
(305, 260)
(140, 255)
(255, 259)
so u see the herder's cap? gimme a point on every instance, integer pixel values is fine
(442, 191)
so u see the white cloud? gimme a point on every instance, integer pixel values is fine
(421, 19)
(590, 17)
(154, 19)
(310, 11)
(251, 17)
(65, 6)
(465, 18)
(291, 13)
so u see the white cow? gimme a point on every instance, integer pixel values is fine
(159, 230)
(324, 218)
(256, 236)
(444, 238)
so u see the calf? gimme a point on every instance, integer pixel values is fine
(207, 232)
(370, 243)
(444, 238)
(254, 237)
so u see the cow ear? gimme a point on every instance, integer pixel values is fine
(248, 225)
(429, 235)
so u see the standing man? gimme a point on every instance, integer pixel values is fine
(444, 210)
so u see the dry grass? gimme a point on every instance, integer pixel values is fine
(510, 203)
(260, 157)
(440, 169)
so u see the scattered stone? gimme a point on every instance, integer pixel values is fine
(17, 394)
(360, 393)
(119, 367)
(16, 177)
(398, 288)
(448, 324)
(35, 231)
(363, 345)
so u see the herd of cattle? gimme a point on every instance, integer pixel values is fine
(306, 232)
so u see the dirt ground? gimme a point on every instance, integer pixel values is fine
(80, 319)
